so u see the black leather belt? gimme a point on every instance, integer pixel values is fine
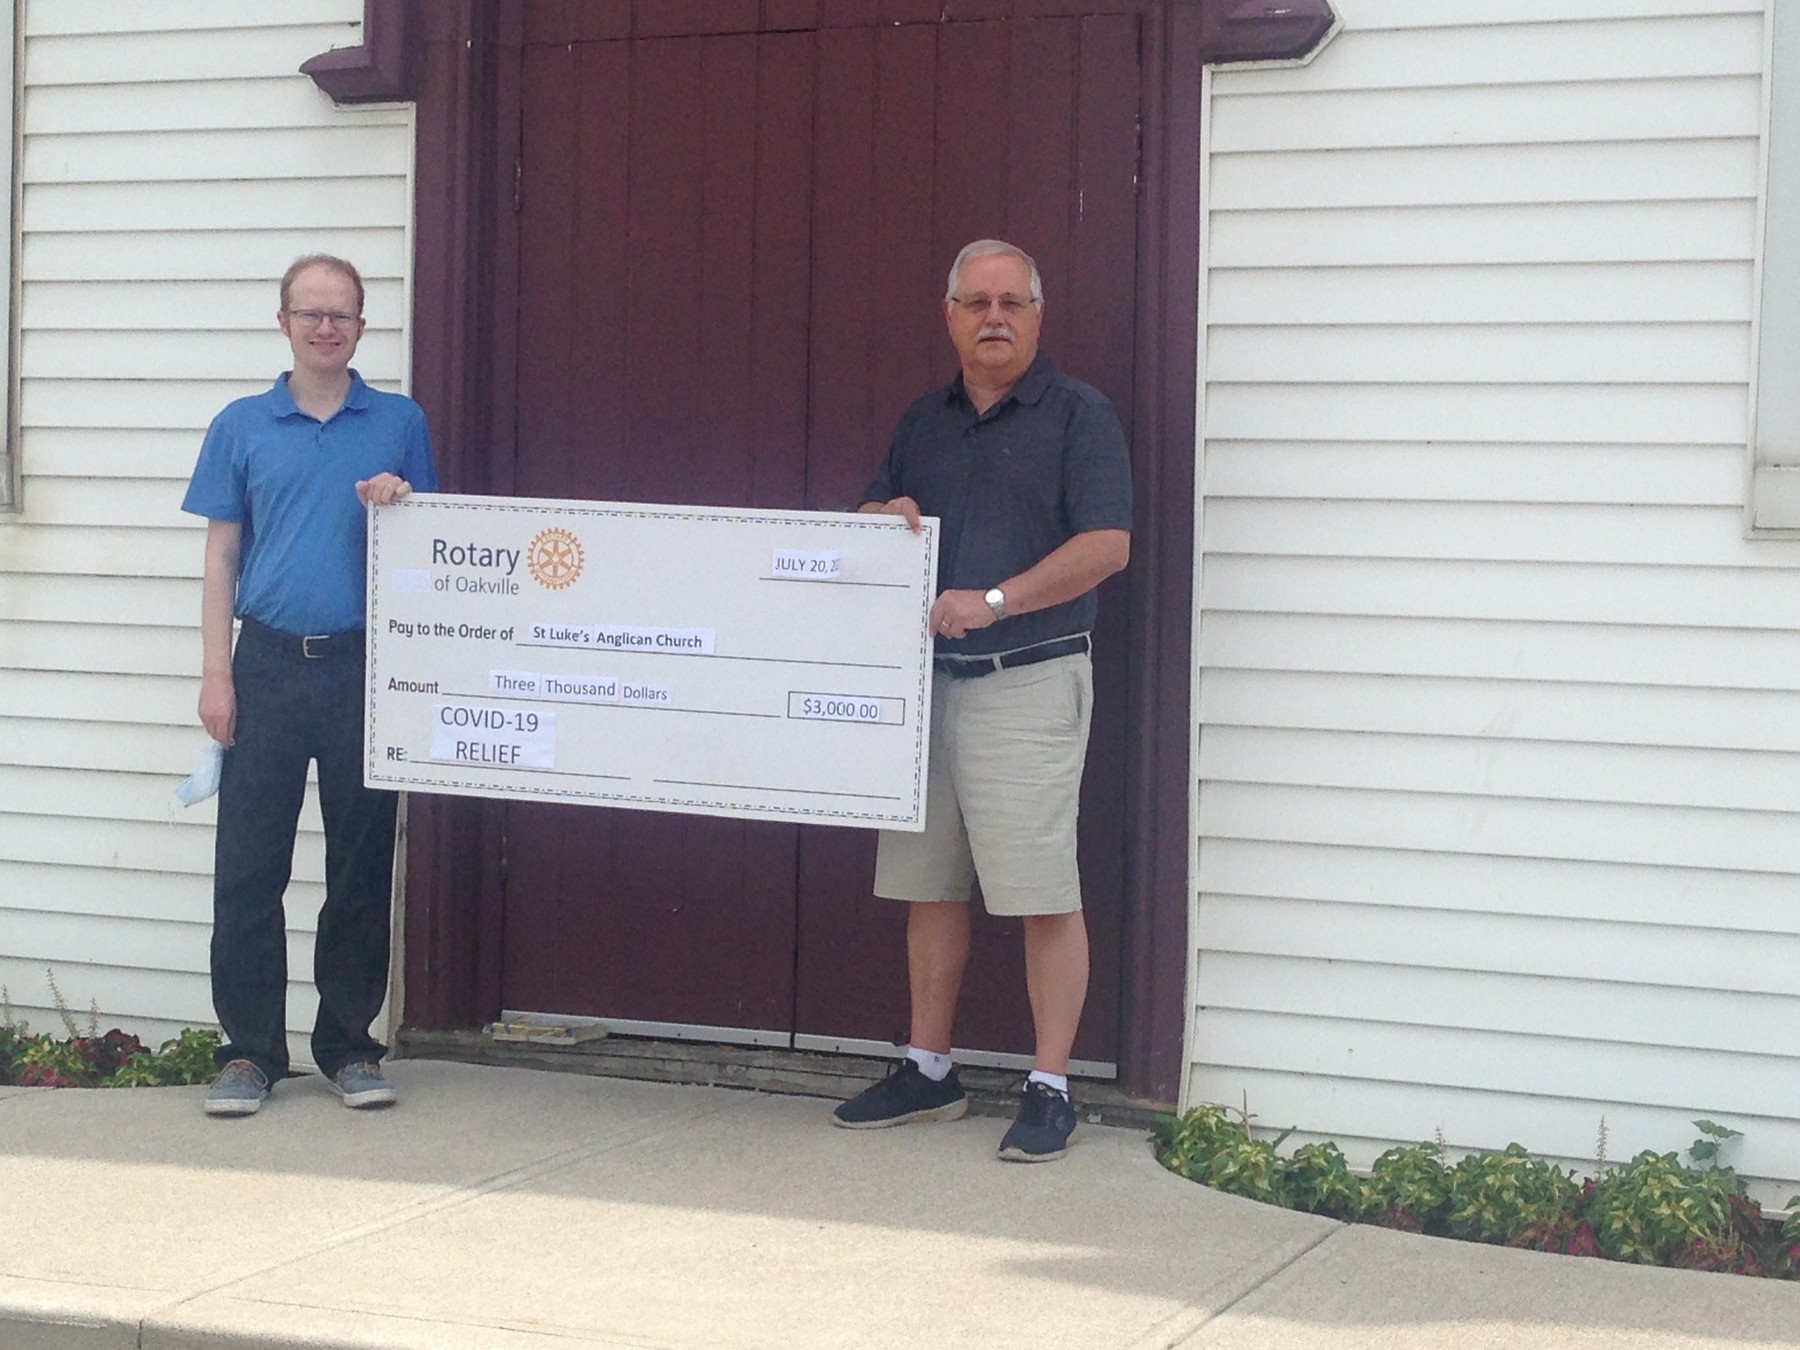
(344, 646)
(969, 667)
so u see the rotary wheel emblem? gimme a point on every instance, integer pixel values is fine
(554, 558)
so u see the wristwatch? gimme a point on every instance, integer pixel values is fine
(996, 601)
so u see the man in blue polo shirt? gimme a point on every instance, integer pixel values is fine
(283, 480)
(1027, 472)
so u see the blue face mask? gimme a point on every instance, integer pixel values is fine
(204, 780)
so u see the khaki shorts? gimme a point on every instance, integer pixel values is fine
(1004, 788)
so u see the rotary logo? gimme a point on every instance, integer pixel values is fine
(554, 558)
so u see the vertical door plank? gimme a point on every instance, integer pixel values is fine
(546, 225)
(963, 11)
(722, 326)
(975, 182)
(546, 20)
(1103, 285)
(973, 119)
(688, 942)
(499, 342)
(1040, 171)
(911, 354)
(667, 169)
(848, 979)
(546, 244)
(1008, 133)
(599, 20)
(630, 914)
(683, 18)
(847, 13)
(843, 264)
(1103, 295)
(777, 441)
(790, 16)
(599, 275)
(909, 11)
(561, 21)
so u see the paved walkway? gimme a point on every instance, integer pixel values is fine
(506, 1209)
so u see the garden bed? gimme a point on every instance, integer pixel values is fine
(1653, 1210)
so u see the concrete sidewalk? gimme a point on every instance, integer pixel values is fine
(506, 1208)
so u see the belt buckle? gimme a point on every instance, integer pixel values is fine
(306, 646)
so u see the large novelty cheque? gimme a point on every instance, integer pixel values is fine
(769, 665)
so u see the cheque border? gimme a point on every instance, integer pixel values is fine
(731, 801)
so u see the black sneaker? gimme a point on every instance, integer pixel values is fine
(905, 1097)
(1045, 1127)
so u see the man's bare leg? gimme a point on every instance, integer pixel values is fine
(1056, 977)
(937, 949)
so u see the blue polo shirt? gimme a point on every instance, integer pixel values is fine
(290, 481)
(1010, 486)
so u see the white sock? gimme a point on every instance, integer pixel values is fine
(934, 1066)
(1059, 1081)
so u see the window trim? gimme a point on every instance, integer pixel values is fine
(12, 68)
(1772, 501)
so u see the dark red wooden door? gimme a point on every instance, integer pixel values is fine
(731, 247)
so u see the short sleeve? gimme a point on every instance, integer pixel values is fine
(885, 485)
(417, 466)
(1097, 469)
(218, 488)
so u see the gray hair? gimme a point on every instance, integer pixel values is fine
(982, 248)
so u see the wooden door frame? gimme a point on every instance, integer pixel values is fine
(451, 57)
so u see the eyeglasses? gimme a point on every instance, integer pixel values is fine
(312, 318)
(980, 304)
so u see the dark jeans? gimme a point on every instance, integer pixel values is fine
(292, 709)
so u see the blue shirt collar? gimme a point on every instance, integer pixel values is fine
(281, 402)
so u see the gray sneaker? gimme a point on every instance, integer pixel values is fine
(239, 1090)
(361, 1085)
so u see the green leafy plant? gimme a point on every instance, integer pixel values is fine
(1212, 1147)
(1653, 1209)
(1497, 1195)
(1186, 1145)
(1787, 1256)
(1570, 1233)
(1705, 1150)
(12, 1046)
(1320, 1181)
(81, 1061)
(1736, 1251)
(117, 1059)
(1250, 1168)
(187, 1058)
(1410, 1188)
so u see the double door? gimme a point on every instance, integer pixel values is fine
(731, 248)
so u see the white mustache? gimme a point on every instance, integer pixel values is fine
(994, 330)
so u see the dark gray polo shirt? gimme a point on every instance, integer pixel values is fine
(1010, 486)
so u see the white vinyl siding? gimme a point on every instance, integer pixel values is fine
(173, 163)
(1498, 802)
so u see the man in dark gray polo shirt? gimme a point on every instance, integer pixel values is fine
(1027, 471)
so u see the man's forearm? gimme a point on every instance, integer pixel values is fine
(1074, 568)
(218, 596)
